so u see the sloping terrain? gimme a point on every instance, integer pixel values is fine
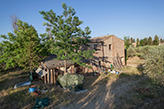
(106, 93)
(127, 90)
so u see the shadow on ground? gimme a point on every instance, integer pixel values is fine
(116, 91)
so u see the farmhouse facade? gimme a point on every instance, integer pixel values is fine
(107, 48)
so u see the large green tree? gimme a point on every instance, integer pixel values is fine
(23, 48)
(68, 37)
(156, 40)
(127, 42)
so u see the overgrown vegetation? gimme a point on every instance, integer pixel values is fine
(131, 52)
(154, 63)
(154, 60)
(139, 51)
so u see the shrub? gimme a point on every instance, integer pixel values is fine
(154, 63)
(142, 50)
(131, 52)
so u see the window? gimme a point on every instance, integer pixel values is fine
(95, 47)
(110, 47)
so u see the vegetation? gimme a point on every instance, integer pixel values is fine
(131, 52)
(134, 87)
(23, 48)
(156, 40)
(149, 42)
(68, 37)
(137, 42)
(127, 42)
(132, 40)
(154, 63)
(161, 40)
(143, 42)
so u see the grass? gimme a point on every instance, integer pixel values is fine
(20, 97)
(145, 94)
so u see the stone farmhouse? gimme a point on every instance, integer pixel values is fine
(107, 48)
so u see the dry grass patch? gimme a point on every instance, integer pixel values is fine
(21, 98)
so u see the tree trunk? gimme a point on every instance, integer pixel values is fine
(65, 64)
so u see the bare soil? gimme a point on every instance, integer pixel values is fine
(107, 94)
(134, 61)
(115, 91)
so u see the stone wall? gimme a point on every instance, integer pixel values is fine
(111, 47)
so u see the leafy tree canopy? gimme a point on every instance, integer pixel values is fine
(23, 48)
(127, 42)
(68, 37)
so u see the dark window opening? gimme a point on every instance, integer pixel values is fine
(110, 46)
(95, 47)
(100, 64)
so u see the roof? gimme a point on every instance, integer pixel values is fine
(51, 62)
(101, 38)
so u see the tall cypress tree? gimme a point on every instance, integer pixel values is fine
(23, 48)
(149, 42)
(67, 35)
(144, 41)
(138, 42)
(156, 40)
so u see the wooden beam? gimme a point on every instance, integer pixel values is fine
(51, 72)
(71, 69)
(48, 77)
(54, 76)
(45, 81)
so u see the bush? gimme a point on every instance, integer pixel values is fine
(131, 52)
(154, 63)
(142, 50)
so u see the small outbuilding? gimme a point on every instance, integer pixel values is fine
(50, 68)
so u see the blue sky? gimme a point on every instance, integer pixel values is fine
(134, 18)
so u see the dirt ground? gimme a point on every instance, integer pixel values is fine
(127, 90)
(134, 61)
(107, 92)
(107, 95)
